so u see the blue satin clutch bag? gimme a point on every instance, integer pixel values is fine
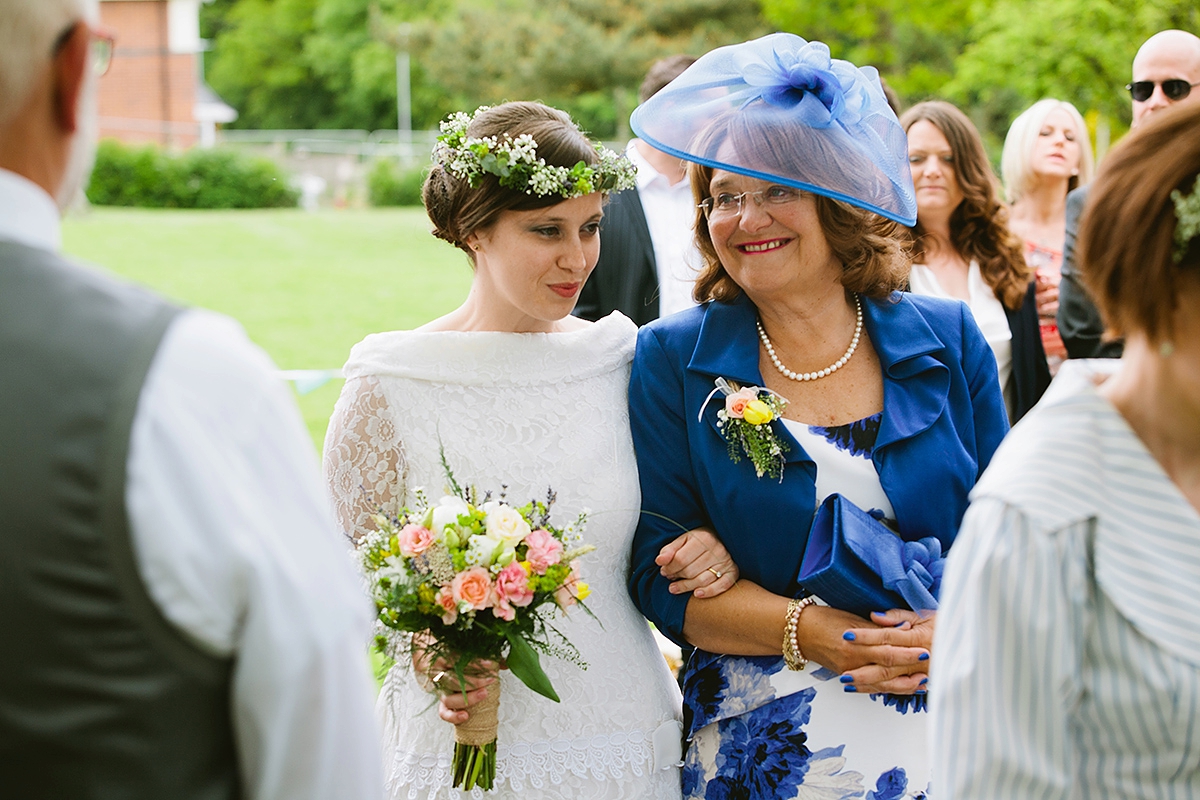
(856, 563)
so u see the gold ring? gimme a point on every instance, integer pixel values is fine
(437, 679)
(716, 572)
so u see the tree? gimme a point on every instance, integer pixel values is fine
(1075, 50)
(314, 63)
(914, 46)
(586, 56)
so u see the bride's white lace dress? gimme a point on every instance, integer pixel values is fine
(532, 411)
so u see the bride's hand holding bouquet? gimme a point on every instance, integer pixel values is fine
(478, 584)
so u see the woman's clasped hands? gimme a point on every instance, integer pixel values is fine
(888, 654)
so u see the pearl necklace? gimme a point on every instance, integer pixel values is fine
(832, 368)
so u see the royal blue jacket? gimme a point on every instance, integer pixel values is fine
(943, 417)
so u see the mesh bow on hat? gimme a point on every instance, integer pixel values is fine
(780, 109)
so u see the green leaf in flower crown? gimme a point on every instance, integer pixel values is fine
(524, 663)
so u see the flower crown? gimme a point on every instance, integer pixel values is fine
(1187, 211)
(515, 162)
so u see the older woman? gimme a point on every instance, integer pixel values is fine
(1068, 661)
(1046, 155)
(892, 401)
(963, 249)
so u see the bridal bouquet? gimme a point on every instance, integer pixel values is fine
(478, 579)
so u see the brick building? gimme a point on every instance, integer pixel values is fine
(155, 90)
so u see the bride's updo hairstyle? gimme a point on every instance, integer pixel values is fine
(457, 209)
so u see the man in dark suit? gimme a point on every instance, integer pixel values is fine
(1166, 71)
(647, 259)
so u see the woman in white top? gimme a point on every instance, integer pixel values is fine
(1067, 656)
(520, 394)
(1046, 155)
(963, 249)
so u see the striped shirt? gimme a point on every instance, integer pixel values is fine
(1067, 655)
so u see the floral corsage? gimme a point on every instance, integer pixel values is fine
(746, 423)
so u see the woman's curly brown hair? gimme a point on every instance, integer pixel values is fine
(979, 226)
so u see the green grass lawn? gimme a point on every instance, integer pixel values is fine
(305, 286)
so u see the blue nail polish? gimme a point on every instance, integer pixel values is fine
(924, 681)
(923, 657)
(848, 636)
(849, 689)
(878, 613)
(922, 691)
(847, 679)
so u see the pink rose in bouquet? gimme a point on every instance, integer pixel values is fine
(415, 539)
(473, 587)
(445, 599)
(512, 589)
(573, 590)
(544, 550)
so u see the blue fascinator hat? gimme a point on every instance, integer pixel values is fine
(780, 109)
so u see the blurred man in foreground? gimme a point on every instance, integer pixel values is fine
(179, 618)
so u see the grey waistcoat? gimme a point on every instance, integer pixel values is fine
(100, 697)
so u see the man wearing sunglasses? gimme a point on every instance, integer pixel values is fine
(1166, 71)
(178, 615)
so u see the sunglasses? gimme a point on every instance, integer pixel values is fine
(1174, 89)
(101, 47)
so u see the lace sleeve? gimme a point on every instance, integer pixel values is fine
(365, 467)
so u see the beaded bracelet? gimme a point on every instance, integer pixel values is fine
(792, 656)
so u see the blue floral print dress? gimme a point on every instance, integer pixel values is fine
(759, 731)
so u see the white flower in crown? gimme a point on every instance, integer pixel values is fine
(516, 163)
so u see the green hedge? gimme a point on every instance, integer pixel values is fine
(149, 178)
(389, 185)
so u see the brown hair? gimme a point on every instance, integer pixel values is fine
(457, 209)
(1127, 235)
(979, 226)
(869, 246)
(663, 72)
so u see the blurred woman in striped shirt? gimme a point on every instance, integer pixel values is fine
(1067, 656)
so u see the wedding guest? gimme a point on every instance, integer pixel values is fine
(801, 177)
(511, 390)
(1165, 70)
(179, 617)
(648, 263)
(963, 249)
(1046, 155)
(1067, 660)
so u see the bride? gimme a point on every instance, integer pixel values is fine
(518, 392)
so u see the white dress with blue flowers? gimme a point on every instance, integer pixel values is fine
(760, 731)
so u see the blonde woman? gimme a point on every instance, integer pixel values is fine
(1046, 155)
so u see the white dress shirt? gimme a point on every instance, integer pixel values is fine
(988, 312)
(1066, 662)
(670, 212)
(236, 546)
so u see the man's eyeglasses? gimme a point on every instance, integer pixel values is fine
(101, 46)
(726, 204)
(1174, 89)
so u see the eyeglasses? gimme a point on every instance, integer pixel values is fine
(727, 205)
(1174, 89)
(101, 48)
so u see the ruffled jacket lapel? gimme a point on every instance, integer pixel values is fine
(915, 383)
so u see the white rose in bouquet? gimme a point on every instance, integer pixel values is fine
(503, 522)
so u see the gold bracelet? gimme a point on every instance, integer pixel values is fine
(792, 656)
